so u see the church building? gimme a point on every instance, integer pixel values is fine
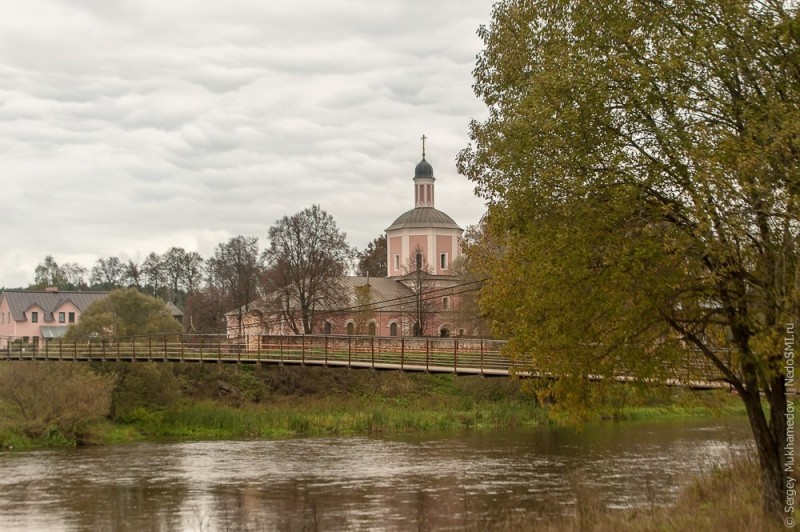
(419, 295)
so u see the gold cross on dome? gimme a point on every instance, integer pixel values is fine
(423, 145)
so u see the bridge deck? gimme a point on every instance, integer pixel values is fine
(431, 355)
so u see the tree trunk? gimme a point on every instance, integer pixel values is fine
(770, 441)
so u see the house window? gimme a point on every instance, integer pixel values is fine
(393, 329)
(397, 262)
(445, 303)
(371, 328)
(62, 317)
(350, 328)
(34, 317)
(72, 317)
(443, 261)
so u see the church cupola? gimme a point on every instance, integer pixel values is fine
(423, 181)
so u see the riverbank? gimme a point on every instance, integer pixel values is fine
(721, 498)
(207, 402)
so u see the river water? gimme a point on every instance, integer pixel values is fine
(452, 481)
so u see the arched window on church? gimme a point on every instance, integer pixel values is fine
(393, 329)
(445, 303)
(327, 328)
(350, 328)
(371, 329)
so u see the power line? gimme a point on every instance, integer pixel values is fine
(396, 303)
(389, 304)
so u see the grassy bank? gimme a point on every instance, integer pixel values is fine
(186, 401)
(310, 417)
(247, 402)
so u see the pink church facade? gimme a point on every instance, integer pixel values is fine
(423, 230)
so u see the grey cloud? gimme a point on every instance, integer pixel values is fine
(132, 126)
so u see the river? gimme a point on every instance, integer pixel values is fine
(447, 481)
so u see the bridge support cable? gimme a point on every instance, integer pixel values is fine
(427, 355)
(482, 374)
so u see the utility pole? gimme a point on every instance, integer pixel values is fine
(418, 325)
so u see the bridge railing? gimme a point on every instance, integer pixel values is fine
(457, 355)
(414, 353)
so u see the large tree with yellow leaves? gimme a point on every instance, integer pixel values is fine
(640, 163)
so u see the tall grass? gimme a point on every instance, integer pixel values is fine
(213, 420)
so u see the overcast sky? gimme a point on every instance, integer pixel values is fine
(135, 125)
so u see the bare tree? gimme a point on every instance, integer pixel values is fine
(153, 273)
(307, 255)
(49, 273)
(74, 274)
(236, 269)
(172, 265)
(418, 278)
(108, 273)
(192, 271)
(133, 275)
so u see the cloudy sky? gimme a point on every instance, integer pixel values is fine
(135, 125)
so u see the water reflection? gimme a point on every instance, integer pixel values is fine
(430, 482)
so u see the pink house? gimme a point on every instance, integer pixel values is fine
(35, 316)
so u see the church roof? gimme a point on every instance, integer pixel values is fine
(423, 217)
(423, 169)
